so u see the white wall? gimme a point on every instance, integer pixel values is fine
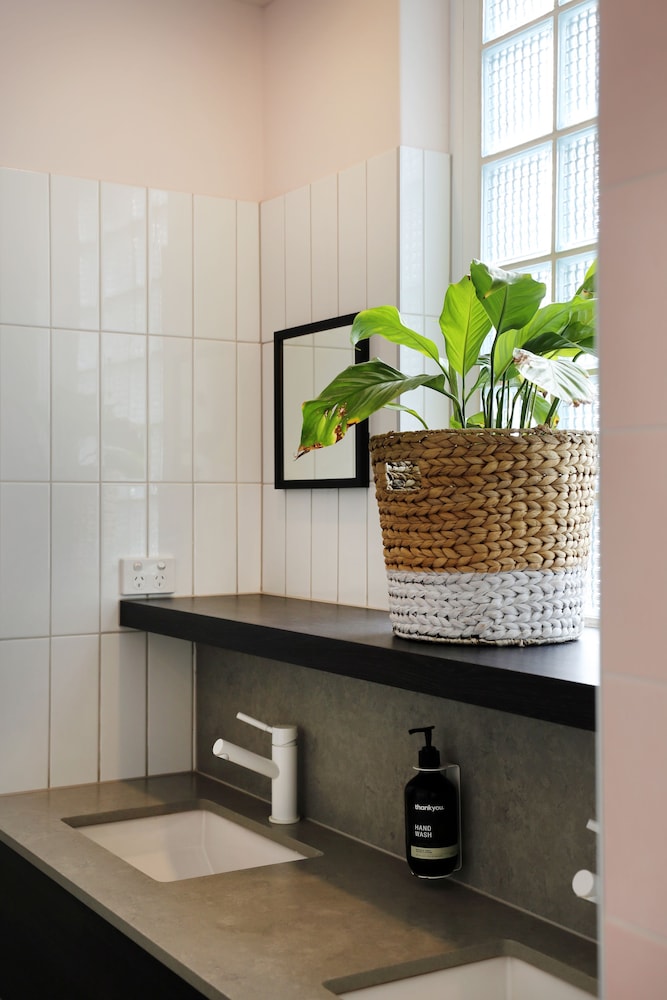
(163, 93)
(331, 87)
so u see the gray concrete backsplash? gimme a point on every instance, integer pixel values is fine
(528, 787)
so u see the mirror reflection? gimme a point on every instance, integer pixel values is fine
(306, 359)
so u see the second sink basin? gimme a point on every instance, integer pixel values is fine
(500, 978)
(190, 843)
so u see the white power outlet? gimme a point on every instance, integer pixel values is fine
(147, 576)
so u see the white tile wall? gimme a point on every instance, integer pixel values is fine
(330, 248)
(122, 433)
(136, 415)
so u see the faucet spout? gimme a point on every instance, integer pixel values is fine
(281, 768)
(245, 758)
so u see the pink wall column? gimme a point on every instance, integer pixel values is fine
(633, 259)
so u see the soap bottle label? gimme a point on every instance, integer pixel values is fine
(434, 853)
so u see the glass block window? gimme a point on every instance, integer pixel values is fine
(539, 134)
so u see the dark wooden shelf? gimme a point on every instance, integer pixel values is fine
(556, 683)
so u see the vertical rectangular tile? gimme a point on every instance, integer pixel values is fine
(411, 228)
(123, 706)
(297, 257)
(123, 391)
(75, 558)
(297, 543)
(249, 533)
(24, 248)
(74, 709)
(214, 268)
(324, 247)
(123, 258)
(324, 551)
(170, 263)
(170, 529)
(75, 421)
(377, 596)
(75, 253)
(268, 422)
(215, 397)
(170, 409)
(352, 239)
(272, 263)
(437, 229)
(382, 239)
(169, 705)
(25, 418)
(24, 714)
(249, 413)
(273, 541)
(24, 567)
(123, 529)
(352, 547)
(215, 535)
(247, 287)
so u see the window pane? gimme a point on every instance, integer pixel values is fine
(516, 206)
(570, 272)
(517, 88)
(577, 65)
(540, 272)
(577, 209)
(505, 15)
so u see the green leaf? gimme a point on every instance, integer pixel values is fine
(351, 397)
(464, 324)
(385, 321)
(476, 420)
(406, 409)
(560, 325)
(510, 299)
(588, 286)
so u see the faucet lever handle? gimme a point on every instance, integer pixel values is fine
(254, 722)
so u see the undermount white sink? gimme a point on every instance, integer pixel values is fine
(502, 978)
(188, 844)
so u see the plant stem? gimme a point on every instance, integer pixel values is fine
(553, 409)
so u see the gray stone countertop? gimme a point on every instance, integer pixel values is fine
(282, 930)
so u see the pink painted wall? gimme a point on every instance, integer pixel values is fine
(633, 263)
(161, 93)
(331, 87)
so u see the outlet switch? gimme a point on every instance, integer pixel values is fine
(141, 575)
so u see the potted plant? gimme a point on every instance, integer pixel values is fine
(485, 524)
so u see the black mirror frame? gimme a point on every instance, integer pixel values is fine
(361, 477)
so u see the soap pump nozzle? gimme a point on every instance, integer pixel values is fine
(429, 756)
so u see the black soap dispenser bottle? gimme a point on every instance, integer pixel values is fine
(431, 816)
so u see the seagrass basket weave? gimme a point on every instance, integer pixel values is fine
(486, 532)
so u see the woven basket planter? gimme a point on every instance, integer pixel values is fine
(486, 533)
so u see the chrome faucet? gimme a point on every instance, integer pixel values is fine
(281, 768)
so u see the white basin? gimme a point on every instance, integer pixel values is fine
(188, 844)
(502, 978)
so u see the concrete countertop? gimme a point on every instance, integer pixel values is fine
(286, 928)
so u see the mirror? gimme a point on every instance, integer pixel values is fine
(306, 359)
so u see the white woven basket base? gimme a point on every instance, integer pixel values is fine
(517, 608)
